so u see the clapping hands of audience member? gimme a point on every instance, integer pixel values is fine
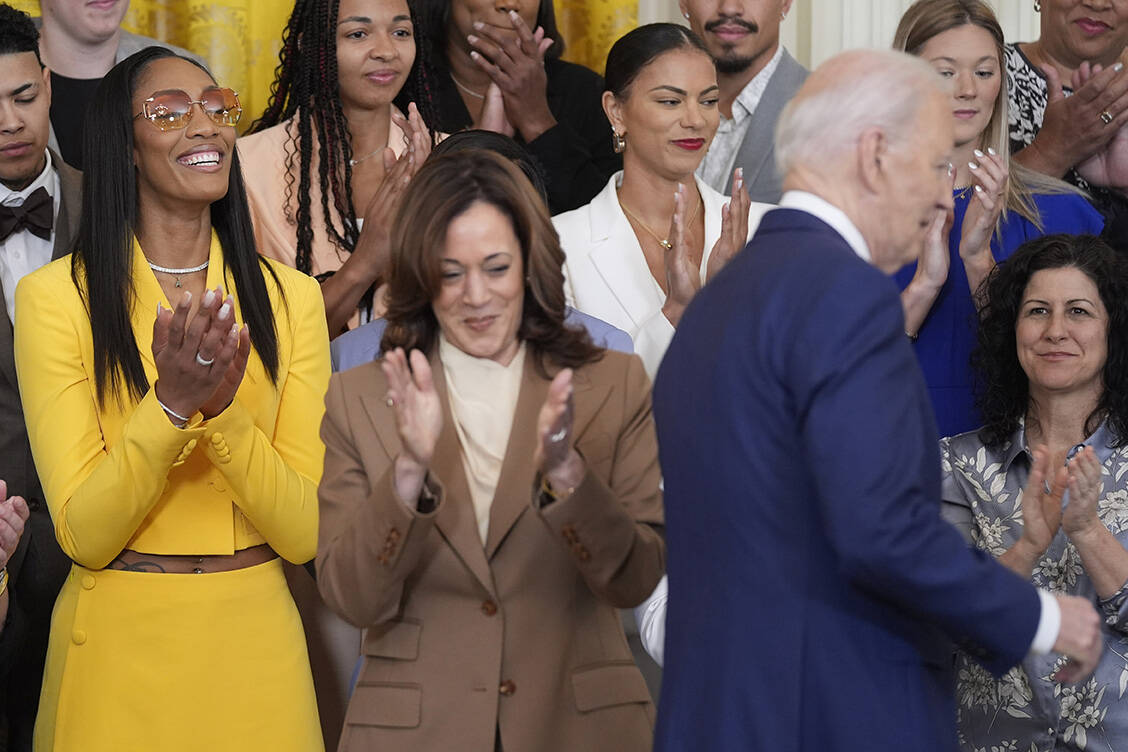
(734, 227)
(1041, 515)
(200, 363)
(1076, 127)
(682, 278)
(515, 64)
(13, 515)
(555, 454)
(1108, 166)
(989, 184)
(419, 418)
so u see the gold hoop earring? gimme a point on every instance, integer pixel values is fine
(618, 141)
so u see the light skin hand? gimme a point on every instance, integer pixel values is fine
(932, 267)
(682, 279)
(419, 418)
(990, 183)
(1079, 638)
(1103, 556)
(1041, 516)
(555, 454)
(492, 117)
(734, 227)
(13, 516)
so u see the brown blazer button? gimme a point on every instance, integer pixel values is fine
(489, 608)
(583, 554)
(507, 687)
(394, 534)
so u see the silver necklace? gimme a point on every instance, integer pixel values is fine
(466, 88)
(179, 272)
(355, 162)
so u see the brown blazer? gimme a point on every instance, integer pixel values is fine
(520, 640)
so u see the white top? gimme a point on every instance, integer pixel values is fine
(23, 252)
(717, 165)
(483, 397)
(606, 274)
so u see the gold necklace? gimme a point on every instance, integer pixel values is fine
(664, 242)
(466, 88)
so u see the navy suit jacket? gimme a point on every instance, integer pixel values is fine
(815, 591)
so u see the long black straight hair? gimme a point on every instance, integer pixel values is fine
(102, 263)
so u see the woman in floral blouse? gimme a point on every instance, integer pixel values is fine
(1043, 486)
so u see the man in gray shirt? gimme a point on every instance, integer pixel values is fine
(757, 77)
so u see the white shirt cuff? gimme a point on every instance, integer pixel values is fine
(1049, 624)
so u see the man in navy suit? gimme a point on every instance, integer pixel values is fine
(815, 591)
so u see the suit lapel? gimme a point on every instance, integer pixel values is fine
(7, 352)
(70, 207)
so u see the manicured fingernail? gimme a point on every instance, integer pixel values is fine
(186, 298)
(973, 165)
(479, 25)
(472, 39)
(978, 153)
(992, 152)
(951, 169)
(159, 309)
(234, 331)
(209, 297)
(979, 189)
(1118, 67)
(475, 55)
(225, 310)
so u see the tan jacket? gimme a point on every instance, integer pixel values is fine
(520, 639)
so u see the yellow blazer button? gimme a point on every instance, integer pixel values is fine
(78, 636)
(189, 446)
(224, 458)
(88, 582)
(217, 438)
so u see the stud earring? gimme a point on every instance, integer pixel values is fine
(618, 141)
(686, 15)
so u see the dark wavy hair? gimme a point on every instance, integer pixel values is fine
(444, 188)
(18, 32)
(501, 144)
(435, 15)
(102, 263)
(306, 89)
(1004, 390)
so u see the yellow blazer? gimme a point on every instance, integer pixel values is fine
(520, 636)
(120, 475)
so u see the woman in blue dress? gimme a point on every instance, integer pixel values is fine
(998, 204)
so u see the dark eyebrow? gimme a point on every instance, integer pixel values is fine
(1071, 301)
(711, 89)
(676, 90)
(354, 19)
(401, 17)
(946, 59)
(486, 259)
(21, 89)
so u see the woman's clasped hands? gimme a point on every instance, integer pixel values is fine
(200, 358)
(1043, 511)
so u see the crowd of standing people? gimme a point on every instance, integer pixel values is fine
(467, 381)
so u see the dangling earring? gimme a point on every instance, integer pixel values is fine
(783, 16)
(1037, 6)
(618, 141)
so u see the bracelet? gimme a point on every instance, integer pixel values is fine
(546, 490)
(3, 579)
(171, 412)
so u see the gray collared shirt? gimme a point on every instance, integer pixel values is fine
(1025, 710)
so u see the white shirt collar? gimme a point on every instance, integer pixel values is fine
(831, 214)
(8, 197)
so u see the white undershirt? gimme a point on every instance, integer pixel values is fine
(24, 252)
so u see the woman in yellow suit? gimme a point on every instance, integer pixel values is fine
(174, 427)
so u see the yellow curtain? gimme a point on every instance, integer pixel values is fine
(239, 39)
(590, 27)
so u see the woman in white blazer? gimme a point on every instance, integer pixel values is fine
(642, 248)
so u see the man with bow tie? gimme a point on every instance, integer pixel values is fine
(40, 200)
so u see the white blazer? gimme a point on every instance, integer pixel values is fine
(605, 272)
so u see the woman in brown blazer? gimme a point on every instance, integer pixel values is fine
(490, 499)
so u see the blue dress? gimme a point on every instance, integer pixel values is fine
(947, 337)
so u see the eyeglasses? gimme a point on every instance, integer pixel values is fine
(171, 109)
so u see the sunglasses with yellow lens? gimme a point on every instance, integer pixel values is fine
(171, 109)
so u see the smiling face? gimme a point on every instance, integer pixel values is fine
(968, 57)
(1062, 333)
(190, 164)
(481, 300)
(86, 21)
(25, 105)
(1077, 30)
(669, 114)
(375, 51)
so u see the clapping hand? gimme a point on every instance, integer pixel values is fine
(419, 418)
(734, 227)
(1041, 508)
(555, 455)
(515, 64)
(201, 363)
(13, 516)
(1107, 167)
(682, 278)
(1074, 128)
(1079, 518)
(990, 175)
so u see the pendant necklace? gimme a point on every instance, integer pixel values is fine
(664, 242)
(179, 272)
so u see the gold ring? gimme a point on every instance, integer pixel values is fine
(666, 244)
(1106, 117)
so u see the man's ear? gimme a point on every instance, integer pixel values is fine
(47, 83)
(873, 159)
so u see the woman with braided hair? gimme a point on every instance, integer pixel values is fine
(329, 158)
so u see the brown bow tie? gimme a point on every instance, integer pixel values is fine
(35, 215)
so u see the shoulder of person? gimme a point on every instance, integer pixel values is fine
(366, 378)
(616, 369)
(564, 75)
(53, 281)
(296, 285)
(264, 142)
(1068, 212)
(579, 219)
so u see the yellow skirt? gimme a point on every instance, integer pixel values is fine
(141, 662)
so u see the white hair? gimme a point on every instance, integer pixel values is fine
(845, 96)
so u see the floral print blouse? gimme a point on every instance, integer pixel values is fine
(1026, 711)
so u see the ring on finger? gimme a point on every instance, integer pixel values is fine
(1106, 117)
(205, 362)
(389, 402)
(558, 436)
